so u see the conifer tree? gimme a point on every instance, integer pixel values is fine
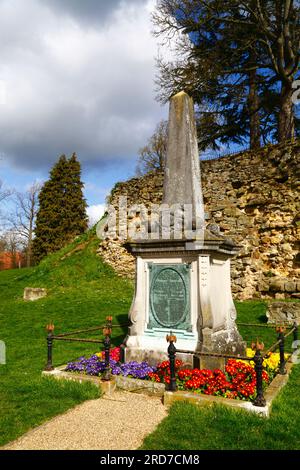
(62, 208)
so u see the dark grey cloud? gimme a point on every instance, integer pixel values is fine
(74, 88)
(89, 11)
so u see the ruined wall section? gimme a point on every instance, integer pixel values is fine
(253, 198)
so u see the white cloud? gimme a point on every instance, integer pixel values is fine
(73, 84)
(95, 213)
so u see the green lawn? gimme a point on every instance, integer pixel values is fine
(82, 292)
(189, 427)
(255, 312)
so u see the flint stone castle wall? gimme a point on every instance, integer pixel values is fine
(254, 199)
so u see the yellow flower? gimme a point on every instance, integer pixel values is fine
(250, 352)
(272, 361)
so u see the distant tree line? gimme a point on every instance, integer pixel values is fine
(46, 216)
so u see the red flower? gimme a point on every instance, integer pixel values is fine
(154, 377)
(238, 381)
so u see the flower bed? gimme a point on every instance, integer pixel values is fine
(238, 381)
(95, 365)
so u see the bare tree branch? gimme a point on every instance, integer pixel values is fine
(152, 156)
(24, 218)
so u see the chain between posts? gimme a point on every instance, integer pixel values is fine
(80, 340)
(275, 325)
(228, 356)
(95, 328)
(107, 330)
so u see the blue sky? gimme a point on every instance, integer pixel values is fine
(76, 76)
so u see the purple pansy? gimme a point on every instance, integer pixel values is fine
(94, 366)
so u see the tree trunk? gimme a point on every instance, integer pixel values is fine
(253, 106)
(29, 244)
(28, 255)
(286, 124)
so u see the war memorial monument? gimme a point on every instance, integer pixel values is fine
(182, 276)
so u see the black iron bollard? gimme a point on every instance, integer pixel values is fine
(49, 365)
(106, 332)
(172, 357)
(122, 353)
(258, 360)
(282, 368)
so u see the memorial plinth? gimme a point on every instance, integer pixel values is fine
(182, 284)
(185, 288)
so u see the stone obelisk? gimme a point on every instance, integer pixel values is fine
(182, 181)
(182, 282)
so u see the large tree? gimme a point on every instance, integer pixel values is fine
(62, 208)
(238, 60)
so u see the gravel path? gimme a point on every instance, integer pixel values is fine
(120, 421)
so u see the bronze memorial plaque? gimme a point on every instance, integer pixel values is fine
(169, 296)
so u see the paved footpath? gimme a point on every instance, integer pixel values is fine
(120, 421)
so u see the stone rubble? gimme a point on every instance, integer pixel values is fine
(282, 312)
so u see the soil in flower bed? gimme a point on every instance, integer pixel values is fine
(238, 381)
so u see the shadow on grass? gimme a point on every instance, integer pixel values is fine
(262, 319)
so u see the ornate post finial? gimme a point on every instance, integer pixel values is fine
(50, 327)
(171, 338)
(257, 346)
